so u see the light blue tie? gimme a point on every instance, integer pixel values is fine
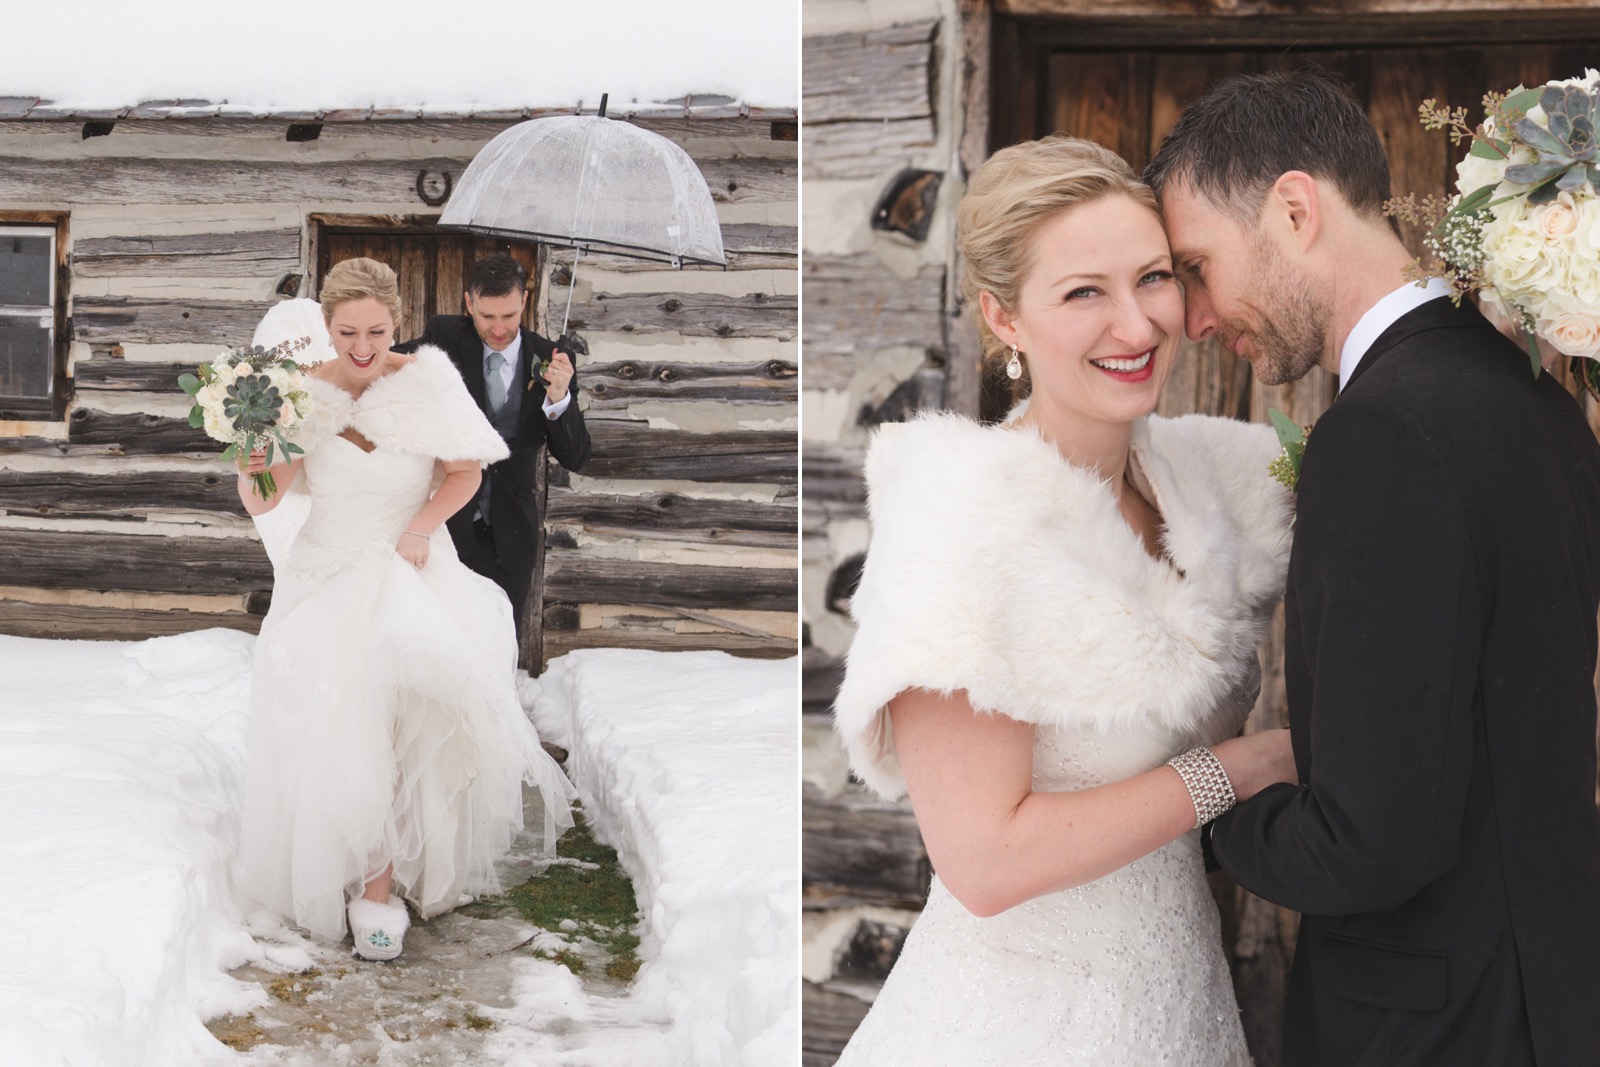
(495, 383)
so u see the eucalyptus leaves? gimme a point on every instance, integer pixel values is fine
(1524, 227)
(250, 399)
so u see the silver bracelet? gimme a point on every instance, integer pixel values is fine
(1207, 782)
(414, 533)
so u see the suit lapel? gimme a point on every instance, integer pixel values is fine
(469, 360)
(1429, 316)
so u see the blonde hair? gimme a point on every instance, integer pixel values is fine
(360, 279)
(1016, 191)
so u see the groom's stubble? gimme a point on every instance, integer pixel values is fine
(1291, 331)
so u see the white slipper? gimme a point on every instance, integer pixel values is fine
(379, 929)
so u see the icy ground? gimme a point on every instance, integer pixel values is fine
(121, 775)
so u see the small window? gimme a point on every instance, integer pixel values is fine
(29, 384)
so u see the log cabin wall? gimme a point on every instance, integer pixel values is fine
(935, 85)
(117, 520)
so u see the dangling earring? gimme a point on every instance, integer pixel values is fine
(1014, 365)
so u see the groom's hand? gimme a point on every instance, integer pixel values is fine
(559, 376)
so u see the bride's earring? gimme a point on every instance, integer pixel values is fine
(1014, 365)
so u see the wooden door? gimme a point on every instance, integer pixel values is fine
(431, 265)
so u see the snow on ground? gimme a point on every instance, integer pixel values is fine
(688, 767)
(121, 777)
(469, 54)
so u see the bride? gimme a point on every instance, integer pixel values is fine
(1051, 611)
(387, 745)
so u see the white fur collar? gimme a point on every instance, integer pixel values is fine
(997, 568)
(422, 408)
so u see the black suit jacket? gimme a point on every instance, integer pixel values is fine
(1444, 845)
(513, 509)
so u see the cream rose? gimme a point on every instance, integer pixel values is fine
(1557, 219)
(1574, 334)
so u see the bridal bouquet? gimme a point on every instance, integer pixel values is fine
(1523, 228)
(251, 398)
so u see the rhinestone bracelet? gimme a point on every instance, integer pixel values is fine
(1207, 782)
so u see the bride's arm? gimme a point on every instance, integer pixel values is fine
(283, 474)
(461, 481)
(996, 843)
(460, 485)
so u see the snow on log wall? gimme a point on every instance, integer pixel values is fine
(118, 521)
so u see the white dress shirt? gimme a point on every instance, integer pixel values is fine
(1382, 315)
(508, 374)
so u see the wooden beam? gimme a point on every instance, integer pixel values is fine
(98, 561)
(138, 320)
(856, 302)
(560, 642)
(885, 73)
(67, 622)
(689, 314)
(139, 180)
(773, 381)
(246, 254)
(109, 374)
(1248, 9)
(827, 1020)
(137, 434)
(673, 516)
(621, 581)
(858, 849)
(865, 149)
(127, 494)
(634, 450)
(1048, 25)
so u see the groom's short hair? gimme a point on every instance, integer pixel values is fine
(496, 275)
(1233, 143)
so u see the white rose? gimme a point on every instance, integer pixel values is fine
(1576, 335)
(1590, 80)
(223, 374)
(216, 427)
(286, 415)
(1474, 172)
(1518, 262)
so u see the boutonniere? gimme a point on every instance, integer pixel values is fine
(1286, 467)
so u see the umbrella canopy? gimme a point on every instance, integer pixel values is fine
(593, 183)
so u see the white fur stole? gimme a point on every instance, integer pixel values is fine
(423, 408)
(997, 568)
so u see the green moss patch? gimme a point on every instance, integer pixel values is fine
(594, 894)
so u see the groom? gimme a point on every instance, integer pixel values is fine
(498, 359)
(1443, 844)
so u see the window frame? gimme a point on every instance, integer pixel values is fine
(51, 408)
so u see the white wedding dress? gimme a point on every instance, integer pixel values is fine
(385, 725)
(997, 569)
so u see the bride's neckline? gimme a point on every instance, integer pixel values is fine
(356, 398)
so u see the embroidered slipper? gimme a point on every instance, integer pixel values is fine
(379, 929)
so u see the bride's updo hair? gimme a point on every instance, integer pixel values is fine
(1016, 191)
(359, 279)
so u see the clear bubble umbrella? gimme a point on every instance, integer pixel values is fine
(592, 184)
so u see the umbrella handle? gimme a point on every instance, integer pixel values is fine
(571, 285)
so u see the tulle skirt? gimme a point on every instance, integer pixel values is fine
(385, 729)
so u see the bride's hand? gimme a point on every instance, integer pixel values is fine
(1257, 760)
(413, 548)
(255, 463)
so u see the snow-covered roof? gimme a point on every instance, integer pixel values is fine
(353, 60)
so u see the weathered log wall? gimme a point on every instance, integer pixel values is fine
(117, 520)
